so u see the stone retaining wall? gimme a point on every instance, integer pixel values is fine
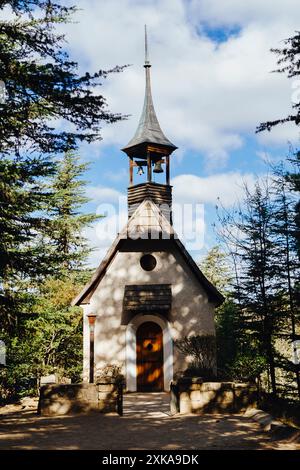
(62, 399)
(192, 395)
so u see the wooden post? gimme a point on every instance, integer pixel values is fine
(92, 319)
(130, 172)
(149, 172)
(168, 170)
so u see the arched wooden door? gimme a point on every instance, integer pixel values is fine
(149, 358)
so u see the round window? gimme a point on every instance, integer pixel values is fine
(148, 262)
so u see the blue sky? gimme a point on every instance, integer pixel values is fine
(211, 86)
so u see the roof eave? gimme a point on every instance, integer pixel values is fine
(137, 148)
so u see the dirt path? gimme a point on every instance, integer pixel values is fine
(145, 425)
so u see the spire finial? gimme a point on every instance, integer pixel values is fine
(147, 62)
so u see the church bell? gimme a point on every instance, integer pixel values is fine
(140, 171)
(158, 167)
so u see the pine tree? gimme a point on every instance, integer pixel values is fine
(42, 84)
(66, 223)
(284, 229)
(288, 61)
(42, 89)
(49, 334)
(293, 179)
(248, 233)
(23, 197)
(216, 268)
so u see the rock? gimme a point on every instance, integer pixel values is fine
(49, 379)
(29, 402)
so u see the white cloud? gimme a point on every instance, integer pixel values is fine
(231, 12)
(101, 234)
(282, 134)
(101, 194)
(112, 206)
(207, 95)
(117, 175)
(226, 187)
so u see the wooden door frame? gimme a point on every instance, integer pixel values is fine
(130, 337)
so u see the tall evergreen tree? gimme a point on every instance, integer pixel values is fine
(293, 179)
(248, 231)
(66, 219)
(23, 196)
(42, 89)
(284, 229)
(49, 335)
(288, 62)
(42, 84)
(216, 268)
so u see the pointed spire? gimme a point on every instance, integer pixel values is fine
(148, 130)
(147, 63)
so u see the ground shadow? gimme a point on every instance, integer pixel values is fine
(146, 424)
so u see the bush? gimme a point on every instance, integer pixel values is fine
(247, 367)
(202, 350)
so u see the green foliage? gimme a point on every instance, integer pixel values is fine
(228, 333)
(261, 313)
(44, 94)
(66, 222)
(216, 268)
(247, 367)
(288, 62)
(22, 197)
(43, 85)
(292, 178)
(248, 231)
(56, 328)
(49, 339)
(48, 110)
(47, 334)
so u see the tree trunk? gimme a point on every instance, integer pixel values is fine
(272, 367)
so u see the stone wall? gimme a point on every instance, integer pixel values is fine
(62, 399)
(192, 395)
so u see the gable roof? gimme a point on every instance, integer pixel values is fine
(147, 220)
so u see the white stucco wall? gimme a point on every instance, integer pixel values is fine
(191, 313)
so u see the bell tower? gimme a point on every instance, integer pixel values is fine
(149, 154)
